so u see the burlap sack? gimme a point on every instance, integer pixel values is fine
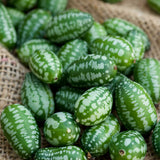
(12, 72)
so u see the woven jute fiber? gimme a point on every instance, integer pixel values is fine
(12, 72)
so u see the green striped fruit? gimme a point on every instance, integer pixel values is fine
(72, 51)
(15, 15)
(46, 66)
(96, 31)
(117, 26)
(155, 5)
(37, 97)
(93, 106)
(91, 70)
(96, 139)
(147, 74)
(134, 106)
(117, 48)
(33, 25)
(66, 98)
(156, 138)
(136, 39)
(22, 5)
(61, 153)
(128, 145)
(61, 130)
(112, 1)
(69, 25)
(54, 6)
(21, 130)
(29, 47)
(8, 36)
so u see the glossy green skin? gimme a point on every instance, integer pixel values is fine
(29, 47)
(8, 36)
(46, 66)
(66, 98)
(33, 26)
(116, 48)
(147, 74)
(93, 106)
(37, 97)
(134, 106)
(54, 6)
(120, 27)
(96, 139)
(60, 153)
(15, 15)
(96, 31)
(155, 5)
(61, 130)
(72, 51)
(155, 139)
(91, 70)
(22, 5)
(21, 130)
(112, 1)
(69, 25)
(128, 145)
(135, 38)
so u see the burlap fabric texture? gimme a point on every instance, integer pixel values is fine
(12, 72)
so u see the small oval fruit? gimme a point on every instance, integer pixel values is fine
(128, 145)
(156, 138)
(120, 27)
(134, 106)
(8, 35)
(29, 47)
(66, 98)
(54, 6)
(61, 130)
(91, 70)
(155, 5)
(37, 97)
(93, 106)
(147, 74)
(21, 130)
(96, 139)
(72, 51)
(112, 1)
(69, 25)
(60, 153)
(46, 66)
(33, 26)
(116, 48)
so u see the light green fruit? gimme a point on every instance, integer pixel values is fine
(21, 130)
(61, 130)
(46, 66)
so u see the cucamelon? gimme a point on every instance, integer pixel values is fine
(69, 25)
(155, 5)
(96, 139)
(46, 66)
(128, 145)
(61, 130)
(91, 70)
(93, 106)
(21, 130)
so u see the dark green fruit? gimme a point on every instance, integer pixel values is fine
(61, 130)
(112, 1)
(134, 106)
(96, 139)
(61, 153)
(128, 145)
(147, 73)
(93, 106)
(91, 70)
(37, 97)
(69, 25)
(155, 5)
(21, 130)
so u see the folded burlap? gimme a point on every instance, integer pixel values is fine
(12, 72)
